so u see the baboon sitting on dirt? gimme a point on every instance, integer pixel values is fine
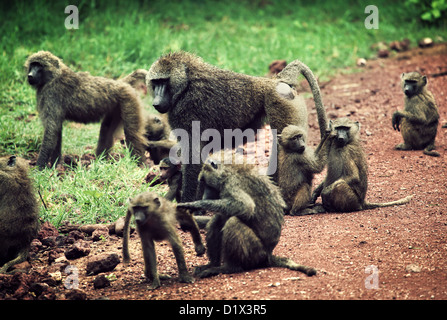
(346, 182)
(19, 212)
(418, 122)
(247, 223)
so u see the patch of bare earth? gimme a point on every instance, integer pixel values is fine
(387, 253)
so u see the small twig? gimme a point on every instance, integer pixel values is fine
(40, 195)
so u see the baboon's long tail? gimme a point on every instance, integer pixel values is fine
(387, 204)
(290, 76)
(281, 262)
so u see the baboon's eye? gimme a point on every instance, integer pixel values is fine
(12, 161)
(213, 163)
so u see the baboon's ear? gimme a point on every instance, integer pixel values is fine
(424, 80)
(358, 125)
(157, 201)
(12, 161)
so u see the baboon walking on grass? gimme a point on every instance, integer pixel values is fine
(344, 188)
(19, 212)
(63, 94)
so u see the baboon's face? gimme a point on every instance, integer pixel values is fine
(293, 139)
(154, 128)
(344, 131)
(143, 206)
(168, 169)
(35, 74)
(162, 95)
(412, 83)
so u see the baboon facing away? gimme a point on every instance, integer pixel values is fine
(344, 188)
(418, 122)
(247, 221)
(63, 94)
(155, 219)
(19, 212)
(157, 132)
(297, 164)
(188, 89)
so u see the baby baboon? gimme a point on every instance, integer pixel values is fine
(246, 226)
(346, 182)
(77, 96)
(157, 133)
(155, 219)
(137, 80)
(188, 89)
(418, 122)
(19, 212)
(297, 165)
(172, 173)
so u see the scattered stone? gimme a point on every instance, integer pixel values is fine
(425, 43)
(75, 294)
(77, 250)
(101, 281)
(361, 62)
(383, 53)
(101, 233)
(413, 268)
(102, 263)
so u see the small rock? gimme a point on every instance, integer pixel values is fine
(361, 62)
(74, 236)
(425, 43)
(413, 268)
(101, 281)
(102, 263)
(100, 233)
(76, 294)
(47, 230)
(383, 53)
(119, 226)
(78, 249)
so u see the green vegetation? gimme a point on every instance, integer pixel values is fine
(116, 37)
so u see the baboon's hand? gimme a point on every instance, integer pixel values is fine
(396, 121)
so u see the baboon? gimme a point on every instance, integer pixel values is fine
(188, 89)
(346, 182)
(63, 94)
(19, 212)
(248, 217)
(297, 165)
(157, 133)
(171, 172)
(137, 80)
(418, 122)
(155, 219)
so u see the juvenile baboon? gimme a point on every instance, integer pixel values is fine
(418, 122)
(171, 172)
(157, 133)
(297, 165)
(246, 226)
(188, 89)
(63, 94)
(137, 80)
(19, 212)
(155, 219)
(344, 188)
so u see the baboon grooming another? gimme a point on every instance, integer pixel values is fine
(19, 212)
(246, 226)
(418, 122)
(155, 219)
(297, 165)
(344, 188)
(188, 89)
(63, 94)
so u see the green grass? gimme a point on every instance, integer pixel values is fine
(116, 37)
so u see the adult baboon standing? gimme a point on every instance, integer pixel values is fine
(63, 94)
(188, 89)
